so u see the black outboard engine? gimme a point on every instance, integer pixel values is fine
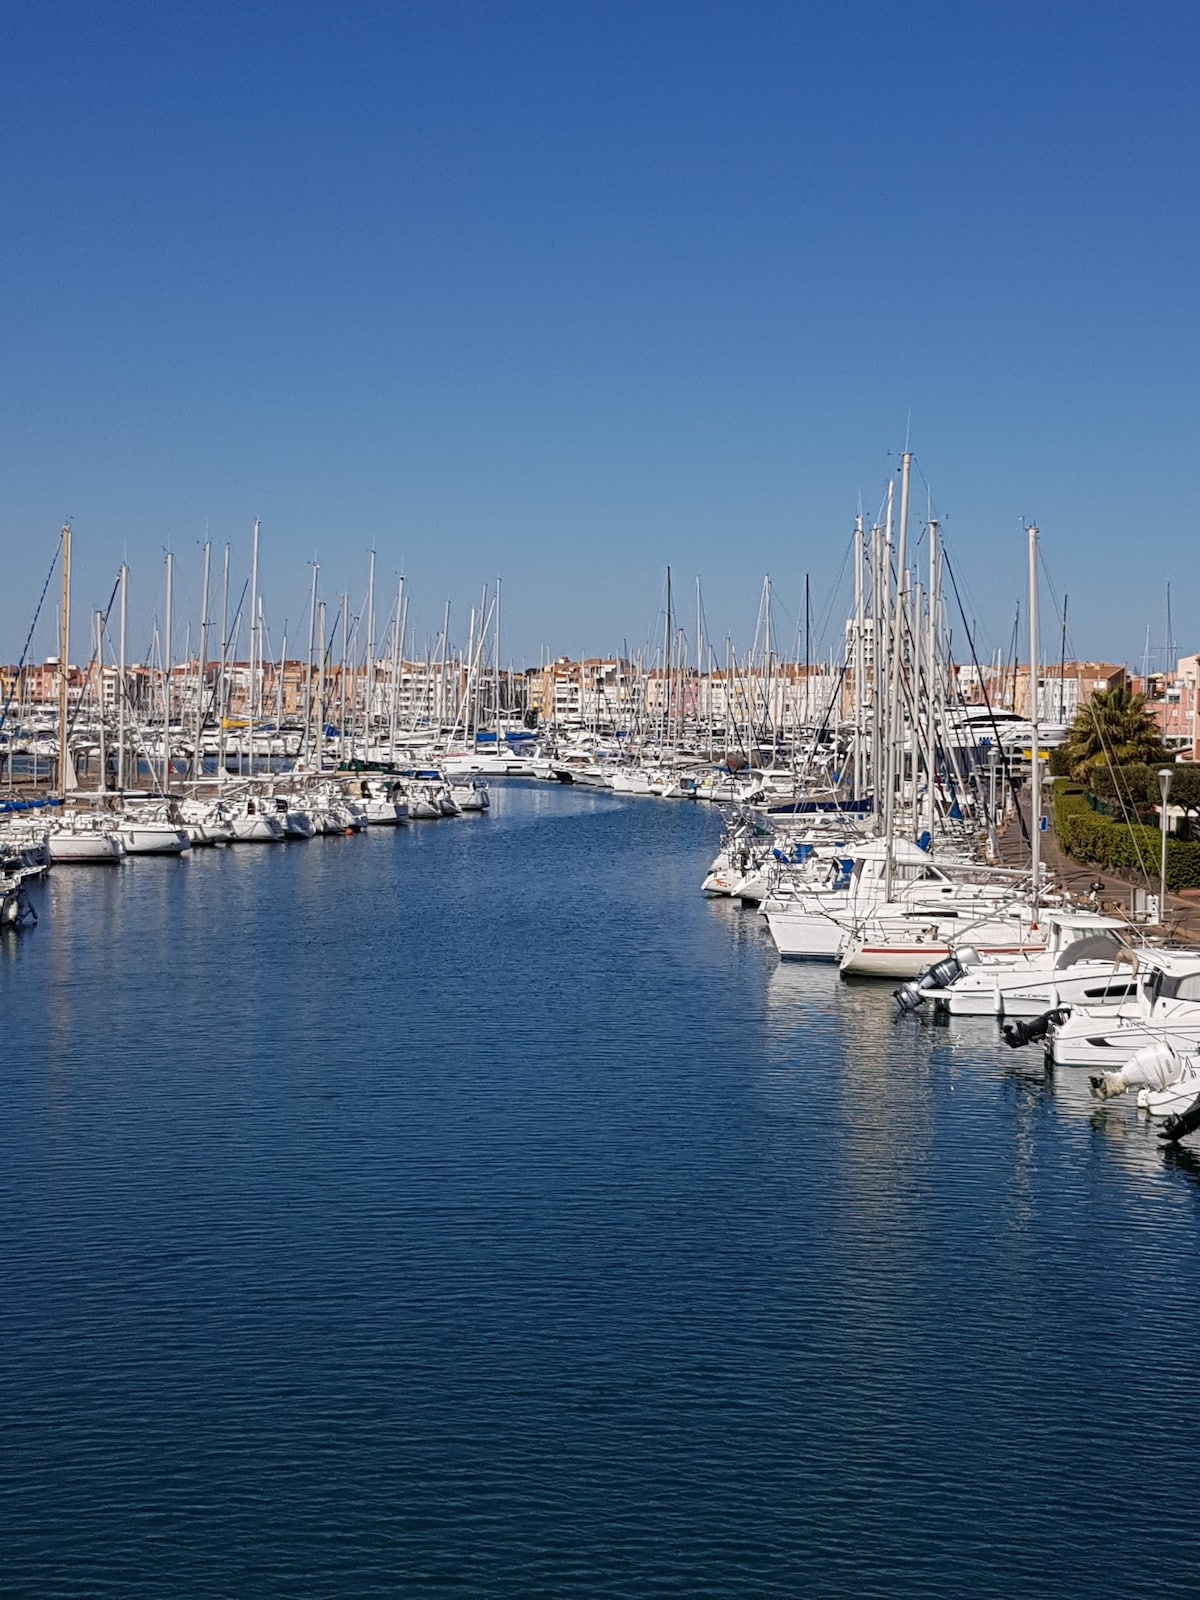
(1018, 1033)
(1182, 1123)
(940, 976)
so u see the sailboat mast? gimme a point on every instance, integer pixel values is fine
(369, 689)
(1035, 768)
(342, 681)
(64, 756)
(496, 664)
(124, 581)
(933, 677)
(222, 681)
(320, 746)
(103, 785)
(166, 682)
(397, 648)
(857, 659)
(308, 685)
(897, 641)
(201, 663)
(254, 640)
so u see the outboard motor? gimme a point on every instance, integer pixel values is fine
(1182, 1123)
(940, 976)
(1018, 1033)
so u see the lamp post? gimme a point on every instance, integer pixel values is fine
(1164, 788)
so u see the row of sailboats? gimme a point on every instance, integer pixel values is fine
(892, 889)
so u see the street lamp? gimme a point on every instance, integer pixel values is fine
(1164, 788)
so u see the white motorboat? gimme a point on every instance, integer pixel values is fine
(1088, 960)
(1165, 1009)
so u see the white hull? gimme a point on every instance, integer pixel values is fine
(1099, 1045)
(147, 839)
(885, 958)
(1176, 1098)
(979, 993)
(806, 935)
(382, 813)
(84, 847)
(256, 830)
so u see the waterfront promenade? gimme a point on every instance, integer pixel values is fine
(1182, 919)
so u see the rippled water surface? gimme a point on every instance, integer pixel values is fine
(474, 1210)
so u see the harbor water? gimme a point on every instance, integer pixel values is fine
(474, 1210)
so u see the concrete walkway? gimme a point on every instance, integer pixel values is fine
(1116, 893)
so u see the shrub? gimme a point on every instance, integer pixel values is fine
(1108, 842)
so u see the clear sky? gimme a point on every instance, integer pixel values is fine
(567, 291)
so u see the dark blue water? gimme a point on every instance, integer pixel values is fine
(475, 1211)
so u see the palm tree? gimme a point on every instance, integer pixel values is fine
(1112, 730)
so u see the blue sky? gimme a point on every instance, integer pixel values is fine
(565, 292)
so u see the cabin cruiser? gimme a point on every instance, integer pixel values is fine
(1165, 1008)
(1088, 960)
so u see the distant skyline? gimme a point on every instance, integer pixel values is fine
(569, 293)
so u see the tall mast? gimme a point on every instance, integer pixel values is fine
(857, 668)
(103, 785)
(667, 653)
(919, 751)
(893, 737)
(933, 677)
(342, 681)
(1169, 651)
(1035, 769)
(807, 651)
(876, 648)
(308, 686)
(222, 682)
(496, 664)
(369, 688)
(166, 681)
(441, 717)
(321, 685)
(123, 578)
(397, 658)
(201, 663)
(254, 641)
(64, 755)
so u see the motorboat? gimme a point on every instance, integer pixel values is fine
(1164, 1009)
(1088, 960)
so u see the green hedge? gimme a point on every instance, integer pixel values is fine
(1107, 842)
